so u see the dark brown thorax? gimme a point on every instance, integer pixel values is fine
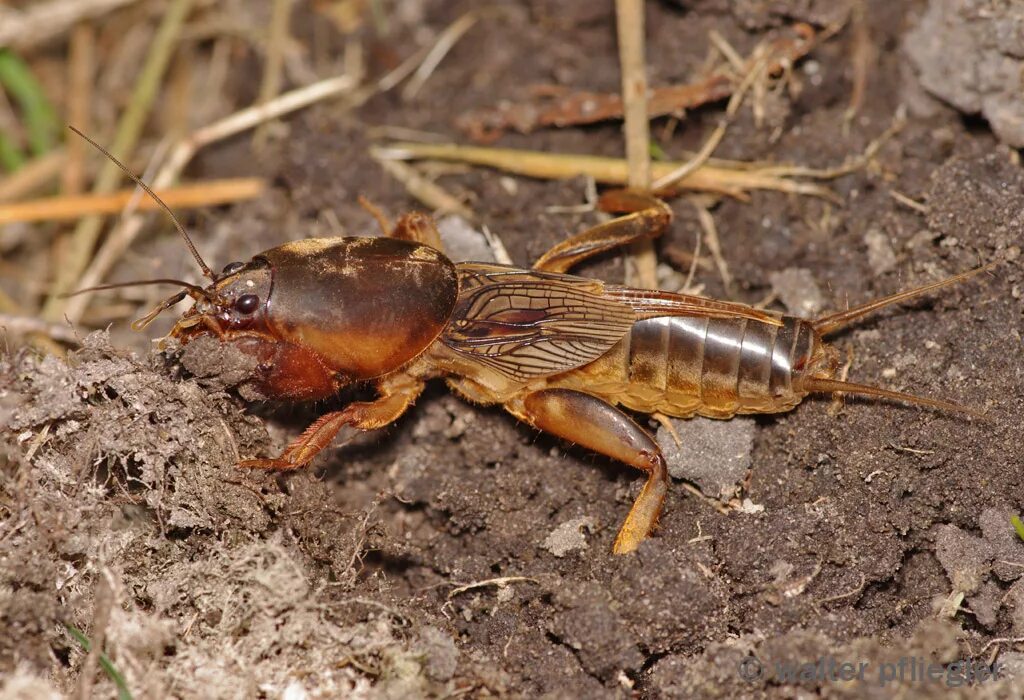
(321, 313)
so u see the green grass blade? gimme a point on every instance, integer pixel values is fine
(1018, 526)
(37, 113)
(105, 663)
(11, 157)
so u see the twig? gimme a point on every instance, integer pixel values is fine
(448, 38)
(630, 22)
(203, 194)
(561, 109)
(501, 582)
(84, 238)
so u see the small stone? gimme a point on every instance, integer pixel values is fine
(713, 454)
(881, 256)
(510, 185)
(799, 293)
(463, 242)
(751, 508)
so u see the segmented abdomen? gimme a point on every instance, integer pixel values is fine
(695, 365)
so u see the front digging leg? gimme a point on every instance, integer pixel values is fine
(362, 415)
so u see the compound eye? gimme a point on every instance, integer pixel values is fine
(232, 268)
(247, 303)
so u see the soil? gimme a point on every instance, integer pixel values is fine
(458, 552)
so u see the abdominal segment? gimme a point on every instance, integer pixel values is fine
(693, 365)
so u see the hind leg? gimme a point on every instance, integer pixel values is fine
(648, 217)
(599, 426)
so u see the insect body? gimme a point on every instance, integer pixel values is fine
(557, 351)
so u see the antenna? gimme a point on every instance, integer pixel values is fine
(138, 181)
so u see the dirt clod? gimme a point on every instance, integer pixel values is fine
(971, 55)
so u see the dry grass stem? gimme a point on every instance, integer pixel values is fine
(641, 270)
(862, 58)
(115, 245)
(756, 71)
(707, 224)
(274, 62)
(908, 202)
(202, 194)
(40, 22)
(229, 126)
(501, 582)
(726, 180)
(80, 73)
(725, 48)
(429, 193)
(447, 39)
(129, 128)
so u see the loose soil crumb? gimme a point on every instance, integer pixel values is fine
(569, 536)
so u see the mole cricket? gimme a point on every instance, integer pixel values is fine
(562, 353)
